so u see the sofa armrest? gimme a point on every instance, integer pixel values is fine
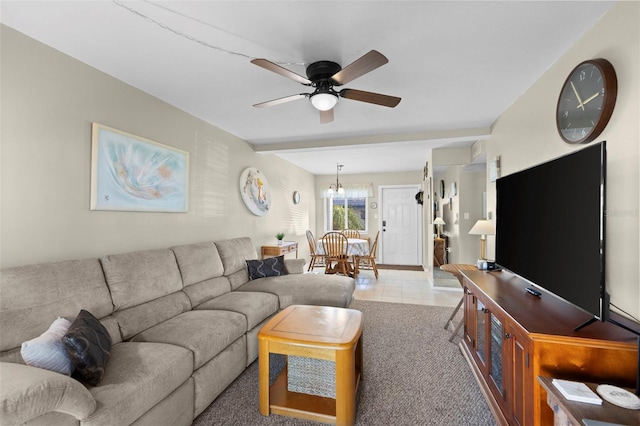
(28, 392)
(295, 266)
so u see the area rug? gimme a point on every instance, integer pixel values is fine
(401, 267)
(444, 279)
(412, 375)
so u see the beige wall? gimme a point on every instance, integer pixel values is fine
(49, 101)
(525, 135)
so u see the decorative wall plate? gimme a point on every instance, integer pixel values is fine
(618, 396)
(255, 192)
(296, 197)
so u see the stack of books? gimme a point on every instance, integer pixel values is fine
(577, 391)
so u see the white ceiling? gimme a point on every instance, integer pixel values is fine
(456, 65)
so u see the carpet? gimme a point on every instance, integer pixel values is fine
(444, 279)
(412, 375)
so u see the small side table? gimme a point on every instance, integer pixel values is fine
(318, 332)
(279, 249)
(455, 270)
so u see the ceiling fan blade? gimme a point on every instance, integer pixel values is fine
(366, 63)
(268, 65)
(326, 116)
(280, 100)
(370, 97)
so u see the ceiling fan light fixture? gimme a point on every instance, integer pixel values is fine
(324, 101)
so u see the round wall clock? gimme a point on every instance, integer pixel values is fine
(296, 197)
(586, 101)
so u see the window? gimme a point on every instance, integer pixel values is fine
(345, 213)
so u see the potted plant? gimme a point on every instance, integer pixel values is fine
(280, 236)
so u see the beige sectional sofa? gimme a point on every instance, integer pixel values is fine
(183, 323)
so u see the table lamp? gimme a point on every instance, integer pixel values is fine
(483, 228)
(438, 221)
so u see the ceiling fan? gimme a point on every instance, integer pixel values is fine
(324, 76)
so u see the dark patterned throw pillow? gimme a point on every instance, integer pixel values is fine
(88, 343)
(270, 267)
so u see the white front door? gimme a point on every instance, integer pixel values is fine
(400, 225)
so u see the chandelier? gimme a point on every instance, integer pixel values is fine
(336, 187)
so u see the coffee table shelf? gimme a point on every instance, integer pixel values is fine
(300, 405)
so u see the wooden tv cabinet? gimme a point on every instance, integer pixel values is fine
(511, 337)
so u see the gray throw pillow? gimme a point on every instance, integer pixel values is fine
(270, 267)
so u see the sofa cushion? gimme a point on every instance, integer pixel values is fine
(238, 278)
(198, 262)
(138, 318)
(207, 290)
(295, 266)
(256, 307)
(34, 296)
(139, 376)
(234, 252)
(270, 267)
(225, 367)
(89, 345)
(136, 278)
(47, 351)
(306, 289)
(205, 333)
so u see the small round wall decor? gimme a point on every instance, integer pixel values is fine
(255, 192)
(296, 197)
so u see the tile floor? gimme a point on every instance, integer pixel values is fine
(402, 287)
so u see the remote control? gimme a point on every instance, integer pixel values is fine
(534, 291)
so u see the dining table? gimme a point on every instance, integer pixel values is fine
(355, 247)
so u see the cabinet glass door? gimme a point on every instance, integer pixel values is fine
(480, 332)
(497, 334)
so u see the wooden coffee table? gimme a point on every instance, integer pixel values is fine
(319, 332)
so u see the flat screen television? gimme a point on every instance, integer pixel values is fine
(550, 227)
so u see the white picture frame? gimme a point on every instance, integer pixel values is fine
(132, 173)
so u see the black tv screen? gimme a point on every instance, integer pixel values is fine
(550, 227)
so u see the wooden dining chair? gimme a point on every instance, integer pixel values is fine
(351, 233)
(335, 246)
(316, 258)
(368, 261)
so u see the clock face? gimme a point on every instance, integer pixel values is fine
(586, 101)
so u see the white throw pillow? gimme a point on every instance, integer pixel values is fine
(47, 351)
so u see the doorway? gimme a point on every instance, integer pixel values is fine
(400, 225)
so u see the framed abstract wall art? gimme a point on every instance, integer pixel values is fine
(131, 173)
(255, 192)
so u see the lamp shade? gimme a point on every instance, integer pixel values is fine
(439, 221)
(324, 101)
(483, 227)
